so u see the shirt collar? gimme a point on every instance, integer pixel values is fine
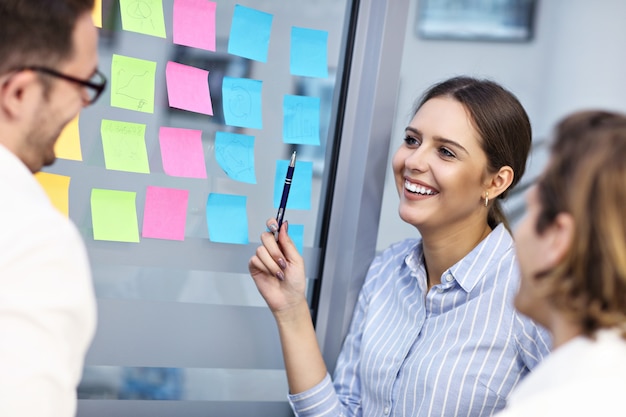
(470, 270)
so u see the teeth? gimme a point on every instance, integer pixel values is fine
(414, 188)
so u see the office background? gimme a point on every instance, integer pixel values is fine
(182, 330)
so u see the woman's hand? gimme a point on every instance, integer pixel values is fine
(278, 270)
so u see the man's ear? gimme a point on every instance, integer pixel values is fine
(16, 91)
(499, 182)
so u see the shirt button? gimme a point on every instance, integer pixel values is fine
(449, 277)
(439, 290)
(386, 410)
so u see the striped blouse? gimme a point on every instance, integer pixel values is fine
(456, 350)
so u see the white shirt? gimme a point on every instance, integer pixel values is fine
(47, 302)
(583, 377)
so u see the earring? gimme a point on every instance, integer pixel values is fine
(486, 198)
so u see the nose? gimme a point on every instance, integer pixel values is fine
(417, 159)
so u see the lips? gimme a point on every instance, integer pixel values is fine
(419, 188)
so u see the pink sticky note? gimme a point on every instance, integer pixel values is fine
(188, 88)
(182, 153)
(194, 23)
(165, 213)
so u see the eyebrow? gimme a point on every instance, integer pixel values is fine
(439, 139)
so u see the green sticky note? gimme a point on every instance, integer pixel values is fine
(124, 146)
(132, 83)
(143, 16)
(114, 215)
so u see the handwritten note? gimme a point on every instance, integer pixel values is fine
(250, 33)
(182, 153)
(132, 83)
(124, 146)
(67, 145)
(188, 88)
(235, 154)
(309, 52)
(114, 215)
(194, 23)
(301, 122)
(301, 185)
(227, 218)
(57, 187)
(143, 16)
(165, 213)
(241, 101)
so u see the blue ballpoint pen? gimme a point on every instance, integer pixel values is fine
(283, 199)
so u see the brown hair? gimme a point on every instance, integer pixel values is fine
(501, 122)
(586, 177)
(38, 32)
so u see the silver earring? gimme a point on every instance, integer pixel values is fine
(486, 199)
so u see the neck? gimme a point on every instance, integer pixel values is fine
(562, 329)
(444, 248)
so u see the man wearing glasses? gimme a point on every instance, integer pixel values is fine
(48, 73)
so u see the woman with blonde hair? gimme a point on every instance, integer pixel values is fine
(571, 248)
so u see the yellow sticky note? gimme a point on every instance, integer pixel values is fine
(58, 189)
(96, 13)
(68, 144)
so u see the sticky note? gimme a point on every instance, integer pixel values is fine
(309, 52)
(67, 145)
(194, 23)
(301, 185)
(165, 213)
(132, 83)
(96, 13)
(58, 188)
(143, 16)
(296, 233)
(188, 88)
(301, 120)
(182, 152)
(235, 154)
(250, 33)
(124, 146)
(114, 215)
(241, 101)
(227, 218)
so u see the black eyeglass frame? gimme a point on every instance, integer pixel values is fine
(98, 88)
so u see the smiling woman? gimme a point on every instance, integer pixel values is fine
(434, 331)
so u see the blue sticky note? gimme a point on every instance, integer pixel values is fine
(227, 218)
(250, 33)
(296, 233)
(241, 101)
(301, 120)
(235, 154)
(309, 52)
(300, 191)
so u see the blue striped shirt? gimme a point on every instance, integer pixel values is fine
(456, 350)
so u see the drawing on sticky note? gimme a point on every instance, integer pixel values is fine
(240, 102)
(132, 83)
(301, 123)
(143, 16)
(235, 154)
(130, 90)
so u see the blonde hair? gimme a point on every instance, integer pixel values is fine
(586, 177)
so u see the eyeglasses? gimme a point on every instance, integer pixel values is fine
(95, 85)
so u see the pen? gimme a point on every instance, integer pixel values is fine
(283, 199)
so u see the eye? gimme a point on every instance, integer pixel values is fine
(447, 153)
(411, 141)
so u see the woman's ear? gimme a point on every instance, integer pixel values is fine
(558, 238)
(499, 182)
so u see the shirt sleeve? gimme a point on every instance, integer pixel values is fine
(533, 341)
(340, 396)
(47, 318)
